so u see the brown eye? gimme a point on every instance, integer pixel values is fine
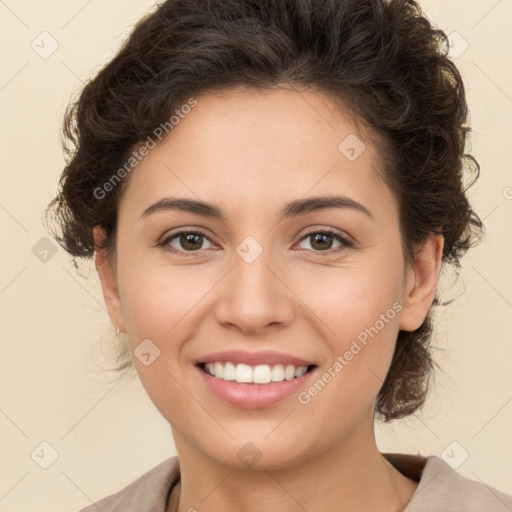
(191, 241)
(185, 241)
(322, 241)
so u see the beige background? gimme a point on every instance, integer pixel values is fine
(53, 325)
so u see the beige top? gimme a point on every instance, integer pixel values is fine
(440, 489)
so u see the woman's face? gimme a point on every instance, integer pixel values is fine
(266, 280)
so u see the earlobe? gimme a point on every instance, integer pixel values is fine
(421, 283)
(108, 281)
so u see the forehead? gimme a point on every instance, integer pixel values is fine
(247, 148)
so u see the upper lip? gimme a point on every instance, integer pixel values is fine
(253, 358)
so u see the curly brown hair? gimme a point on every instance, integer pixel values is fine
(384, 60)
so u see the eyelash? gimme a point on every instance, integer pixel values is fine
(346, 243)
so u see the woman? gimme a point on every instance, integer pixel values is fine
(270, 190)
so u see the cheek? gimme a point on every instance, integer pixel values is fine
(155, 298)
(165, 305)
(357, 310)
(347, 300)
(158, 306)
(362, 315)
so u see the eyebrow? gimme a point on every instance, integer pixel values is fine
(291, 209)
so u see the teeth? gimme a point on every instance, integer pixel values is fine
(243, 372)
(300, 371)
(278, 373)
(229, 371)
(289, 372)
(260, 374)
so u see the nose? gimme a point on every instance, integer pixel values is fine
(254, 296)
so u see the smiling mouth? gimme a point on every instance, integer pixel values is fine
(257, 374)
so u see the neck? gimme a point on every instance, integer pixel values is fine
(352, 476)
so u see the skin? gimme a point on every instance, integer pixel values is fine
(251, 152)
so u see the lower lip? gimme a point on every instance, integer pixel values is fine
(254, 396)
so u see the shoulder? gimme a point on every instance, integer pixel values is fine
(443, 489)
(148, 492)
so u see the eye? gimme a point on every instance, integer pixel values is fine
(186, 241)
(322, 241)
(189, 241)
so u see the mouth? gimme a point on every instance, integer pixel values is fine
(254, 380)
(259, 374)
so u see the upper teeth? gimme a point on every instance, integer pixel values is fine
(260, 374)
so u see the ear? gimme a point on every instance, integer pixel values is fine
(108, 281)
(421, 283)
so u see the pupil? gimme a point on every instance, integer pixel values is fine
(320, 237)
(190, 239)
